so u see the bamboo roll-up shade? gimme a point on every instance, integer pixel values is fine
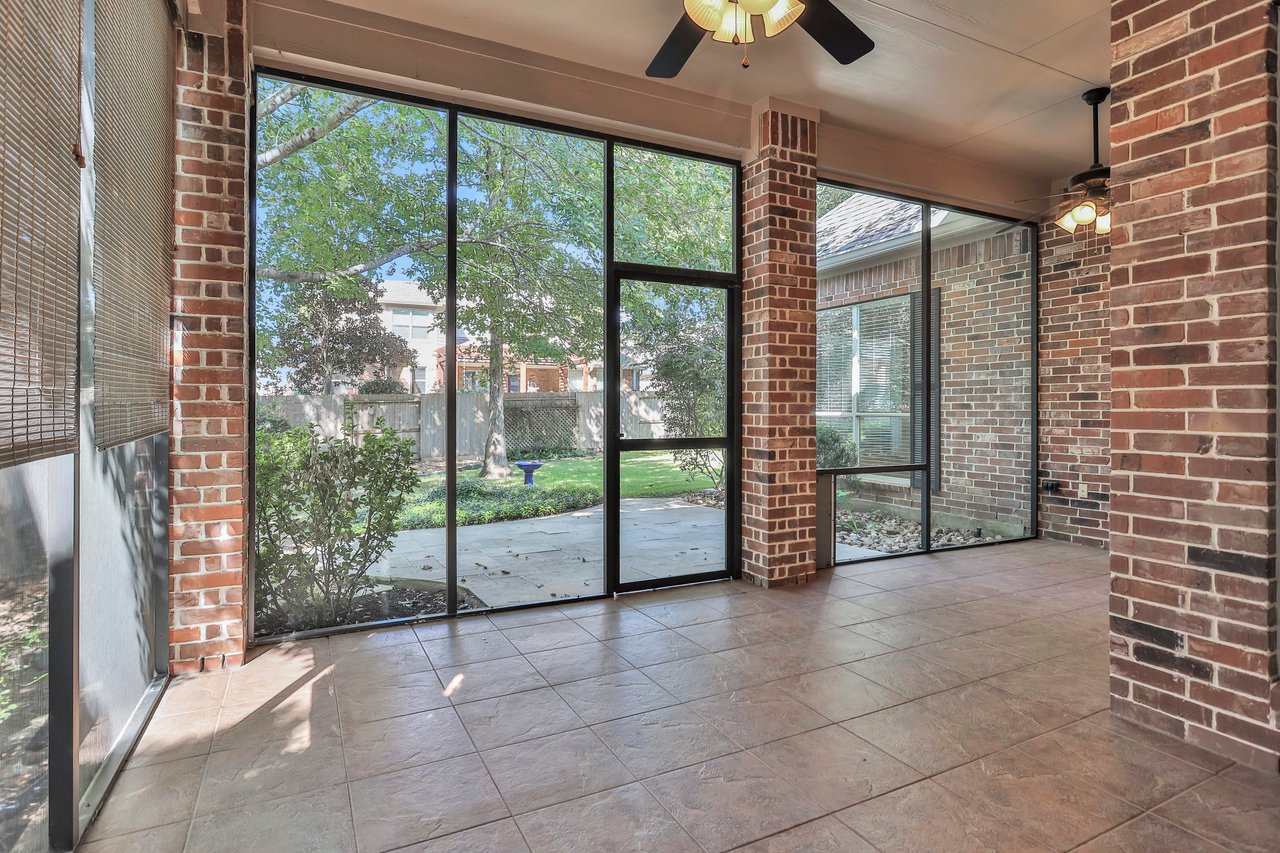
(39, 227)
(133, 218)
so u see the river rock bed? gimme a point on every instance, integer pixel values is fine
(891, 534)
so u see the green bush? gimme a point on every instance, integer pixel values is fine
(487, 501)
(325, 512)
(382, 386)
(268, 419)
(834, 450)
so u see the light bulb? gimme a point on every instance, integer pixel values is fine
(1067, 223)
(757, 7)
(782, 14)
(1103, 223)
(1085, 212)
(706, 13)
(735, 27)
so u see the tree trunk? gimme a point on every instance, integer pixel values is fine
(496, 464)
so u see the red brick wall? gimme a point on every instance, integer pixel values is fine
(1075, 384)
(779, 353)
(1193, 296)
(208, 455)
(985, 396)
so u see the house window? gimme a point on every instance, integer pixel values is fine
(420, 380)
(413, 324)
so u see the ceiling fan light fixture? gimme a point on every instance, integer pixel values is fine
(707, 13)
(1085, 212)
(1102, 225)
(735, 27)
(757, 7)
(781, 15)
(1068, 223)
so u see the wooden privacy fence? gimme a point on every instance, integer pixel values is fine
(535, 421)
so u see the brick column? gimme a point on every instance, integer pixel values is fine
(1193, 295)
(208, 454)
(779, 350)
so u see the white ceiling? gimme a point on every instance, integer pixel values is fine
(991, 80)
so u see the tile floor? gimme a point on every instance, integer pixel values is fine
(954, 702)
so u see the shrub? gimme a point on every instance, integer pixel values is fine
(326, 511)
(834, 450)
(487, 501)
(268, 419)
(382, 386)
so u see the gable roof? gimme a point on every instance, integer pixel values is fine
(864, 220)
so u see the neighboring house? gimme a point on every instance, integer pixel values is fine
(409, 312)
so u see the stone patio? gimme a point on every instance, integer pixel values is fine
(955, 702)
(562, 556)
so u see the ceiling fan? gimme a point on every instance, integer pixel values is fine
(732, 22)
(1087, 198)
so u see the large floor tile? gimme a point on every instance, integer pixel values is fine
(488, 679)
(175, 736)
(1149, 833)
(554, 769)
(517, 717)
(757, 715)
(577, 662)
(501, 836)
(391, 697)
(1029, 795)
(367, 667)
(379, 638)
(440, 628)
(929, 742)
(731, 801)
(725, 634)
(316, 820)
(909, 674)
(660, 741)
(926, 817)
(547, 635)
(775, 659)
(656, 647)
(1172, 746)
(695, 678)
(468, 648)
(150, 796)
(839, 645)
(398, 743)
(825, 835)
(618, 694)
(1069, 692)
(252, 774)
(901, 632)
(193, 693)
(620, 623)
(303, 713)
(623, 819)
(677, 614)
(411, 806)
(171, 838)
(1123, 768)
(978, 705)
(833, 768)
(1239, 817)
(969, 656)
(839, 694)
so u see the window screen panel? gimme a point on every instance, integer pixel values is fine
(39, 227)
(133, 240)
(884, 356)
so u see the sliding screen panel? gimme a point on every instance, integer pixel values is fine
(530, 396)
(350, 312)
(984, 276)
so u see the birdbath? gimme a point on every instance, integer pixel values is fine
(528, 468)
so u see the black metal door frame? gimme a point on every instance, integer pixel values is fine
(616, 443)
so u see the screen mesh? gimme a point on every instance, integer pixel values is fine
(133, 238)
(39, 227)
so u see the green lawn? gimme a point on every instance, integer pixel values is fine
(562, 485)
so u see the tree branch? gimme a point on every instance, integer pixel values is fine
(279, 98)
(315, 133)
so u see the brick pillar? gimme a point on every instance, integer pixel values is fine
(208, 452)
(779, 350)
(1193, 294)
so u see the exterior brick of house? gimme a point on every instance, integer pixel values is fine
(1075, 385)
(1193, 316)
(208, 457)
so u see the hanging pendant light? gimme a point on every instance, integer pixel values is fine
(781, 15)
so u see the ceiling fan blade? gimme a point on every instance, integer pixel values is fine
(1044, 197)
(1030, 219)
(838, 35)
(677, 49)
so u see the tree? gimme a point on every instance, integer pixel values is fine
(352, 192)
(322, 336)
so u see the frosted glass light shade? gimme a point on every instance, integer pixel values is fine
(1103, 223)
(1085, 212)
(736, 24)
(1067, 223)
(781, 15)
(757, 7)
(707, 14)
